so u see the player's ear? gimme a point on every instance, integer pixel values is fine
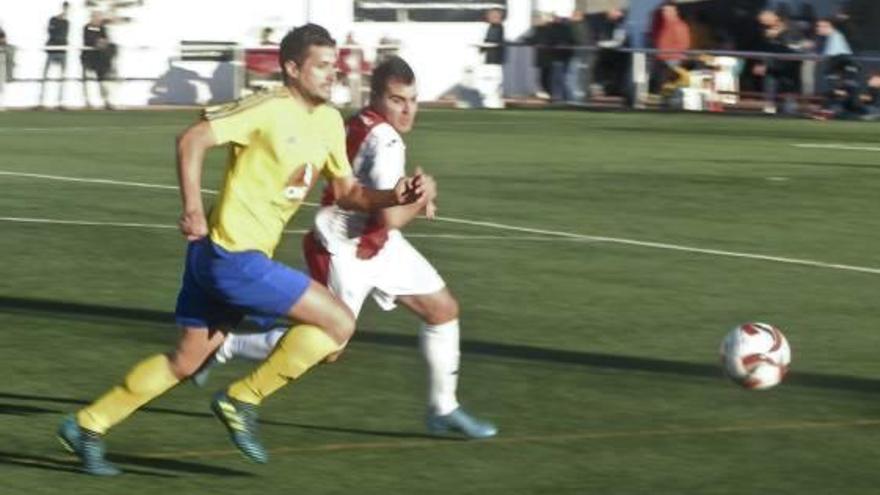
(291, 69)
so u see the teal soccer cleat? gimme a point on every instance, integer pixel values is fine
(462, 422)
(240, 419)
(88, 446)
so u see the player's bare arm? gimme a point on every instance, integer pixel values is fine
(191, 147)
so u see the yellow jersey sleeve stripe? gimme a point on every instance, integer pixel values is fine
(233, 107)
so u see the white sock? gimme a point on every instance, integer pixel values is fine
(253, 346)
(439, 345)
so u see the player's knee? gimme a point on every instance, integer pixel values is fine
(444, 309)
(340, 324)
(332, 358)
(184, 365)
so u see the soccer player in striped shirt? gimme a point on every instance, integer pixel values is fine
(279, 143)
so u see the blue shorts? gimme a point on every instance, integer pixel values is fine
(219, 287)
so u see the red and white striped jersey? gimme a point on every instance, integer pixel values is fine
(377, 155)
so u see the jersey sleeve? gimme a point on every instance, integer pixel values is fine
(389, 162)
(337, 165)
(236, 122)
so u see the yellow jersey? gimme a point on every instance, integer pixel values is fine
(277, 149)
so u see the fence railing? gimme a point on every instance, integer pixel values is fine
(199, 72)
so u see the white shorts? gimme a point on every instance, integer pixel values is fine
(398, 270)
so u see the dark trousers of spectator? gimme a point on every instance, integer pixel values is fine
(103, 86)
(545, 79)
(53, 59)
(661, 73)
(780, 88)
(611, 70)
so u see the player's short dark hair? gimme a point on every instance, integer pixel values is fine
(392, 68)
(296, 43)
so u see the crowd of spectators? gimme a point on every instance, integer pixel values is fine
(845, 87)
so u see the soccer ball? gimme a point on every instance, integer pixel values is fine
(755, 355)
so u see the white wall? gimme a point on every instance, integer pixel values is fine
(440, 53)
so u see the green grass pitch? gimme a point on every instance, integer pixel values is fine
(596, 356)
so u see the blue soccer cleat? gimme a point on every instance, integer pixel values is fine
(240, 419)
(462, 422)
(88, 446)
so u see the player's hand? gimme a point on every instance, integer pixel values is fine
(430, 196)
(431, 210)
(193, 225)
(413, 189)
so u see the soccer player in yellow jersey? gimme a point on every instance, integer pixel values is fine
(279, 143)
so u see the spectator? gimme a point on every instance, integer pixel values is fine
(578, 70)
(494, 55)
(703, 33)
(491, 74)
(266, 37)
(805, 20)
(351, 66)
(57, 30)
(388, 47)
(561, 41)
(871, 97)
(671, 36)
(6, 59)
(612, 65)
(780, 78)
(843, 22)
(830, 41)
(8, 53)
(539, 37)
(844, 96)
(97, 57)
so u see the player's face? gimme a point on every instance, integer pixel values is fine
(399, 105)
(315, 77)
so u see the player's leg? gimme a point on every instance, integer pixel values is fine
(326, 326)
(196, 312)
(439, 337)
(347, 277)
(82, 433)
(420, 289)
(439, 342)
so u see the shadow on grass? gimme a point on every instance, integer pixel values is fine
(173, 465)
(67, 466)
(66, 310)
(20, 410)
(24, 410)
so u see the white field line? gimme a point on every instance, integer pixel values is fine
(529, 230)
(89, 223)
(96, 181)
(134, 128)
(845, 147)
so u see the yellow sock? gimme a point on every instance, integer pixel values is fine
(301, 348)
(147, 380)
